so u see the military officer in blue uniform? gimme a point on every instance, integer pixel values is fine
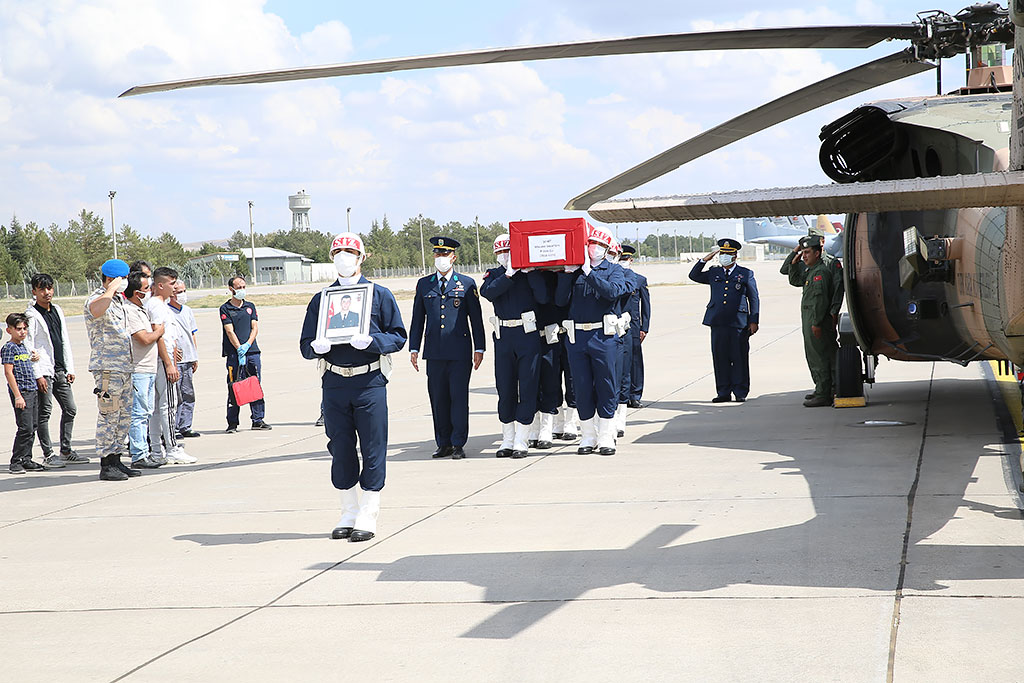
(517, 348)
(732, 314)
(447, 309)
(354, 382)
(592, 292)
(639, 309)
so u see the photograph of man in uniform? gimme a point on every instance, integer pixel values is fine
(344, 317)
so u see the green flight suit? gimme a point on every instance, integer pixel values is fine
(822, 298)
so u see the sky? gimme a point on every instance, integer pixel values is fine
(498, 143)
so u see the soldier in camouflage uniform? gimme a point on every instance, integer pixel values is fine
(822, 283)
(110, 363)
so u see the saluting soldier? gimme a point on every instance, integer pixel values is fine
(355, 398)
(592, 292)
(639, 308)
(517, 348)
(733, 315)
(447, 309)
(822, 297)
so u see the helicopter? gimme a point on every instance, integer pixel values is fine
(932, 187)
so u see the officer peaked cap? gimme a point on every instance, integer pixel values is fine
(444, 243)
(729, 246)
(628, 250)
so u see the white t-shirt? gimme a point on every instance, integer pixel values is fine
(161, 314)
(186, 320)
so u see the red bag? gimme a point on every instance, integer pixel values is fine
(247, 390)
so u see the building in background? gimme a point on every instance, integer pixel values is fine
(274, 266)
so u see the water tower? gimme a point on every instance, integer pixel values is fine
(299, 204)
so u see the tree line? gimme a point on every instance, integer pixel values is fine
(75, 252)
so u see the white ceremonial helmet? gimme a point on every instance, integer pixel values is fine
(348, 240)
(502, 242)
(601, 236)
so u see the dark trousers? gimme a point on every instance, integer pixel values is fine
(349, 413)
(625, 366)
(516, 363)
(57, 387)
(25, 420)
(570, 392)
(730, 348)
(448, 389)
(252, 368)
(593, 358)
(550, 397)
(187, 406)
(636, 374)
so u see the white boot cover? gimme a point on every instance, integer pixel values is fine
(606, 432)
(349, 506)
(534, 427)
(545, 431)
(620, 418)
(589, 430)
(508, 433)
(369, 510)
(522, 433)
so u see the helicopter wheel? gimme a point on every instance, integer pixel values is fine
(850, 375)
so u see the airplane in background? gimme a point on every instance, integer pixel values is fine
(786, 231)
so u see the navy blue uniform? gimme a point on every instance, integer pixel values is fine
(357, 406)
(448, 318)
(241, 319)
(625, 362)
(639, 308)
(593, 356)
(516, 353)
(550, 395)
(733, 307)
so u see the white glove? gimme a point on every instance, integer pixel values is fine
(571, 269)
(509, 270)
(586, 267)
(360, 341)
(321, 345)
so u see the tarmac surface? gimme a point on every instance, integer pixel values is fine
(759, 541)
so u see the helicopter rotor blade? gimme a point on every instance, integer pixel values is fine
(818, 37)
(913, 194)
(850, 82)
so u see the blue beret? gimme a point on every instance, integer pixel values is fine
(114, 267)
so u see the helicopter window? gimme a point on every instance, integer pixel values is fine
(932, 164)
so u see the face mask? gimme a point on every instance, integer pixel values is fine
(346, 263)
(181, 298)
(443, 264)
(596, 252)
(145, 296)
(614, 258)
(628, 265)
(726, 260)
(240, 294)
(503, 259)
(123, 286)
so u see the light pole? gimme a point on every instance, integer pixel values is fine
(638, 240)
(113, 232)
(675, 244)
(423, 254)
(658, 233)
(252, 242)
(476, 224)
(348, 219)
(691, 242)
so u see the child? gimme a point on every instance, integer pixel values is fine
(21, 385)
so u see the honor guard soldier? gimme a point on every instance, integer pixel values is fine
(592, 292)
(639, 309)
(822, 283)
(517, 348)
(549, 326)
(624, 365)
(447, 309)
(732, 314)
(354, 382)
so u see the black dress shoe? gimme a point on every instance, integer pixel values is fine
(503, 453)
(516, 455)
(634, 404)
(720, 399)
(606, 451)
(458, 453)
(585, 450)
(358, 535)
(543, 444)
(740, 399)
(188, 434)
(442, 452)
(619, 434)
(341, 532)
(532, 443)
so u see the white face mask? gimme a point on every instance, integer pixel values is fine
(122, 286)
(502, 259)
(443, 263)
(726, 260)
(240, 294)
(181, 298)
(346, 263)
(596, 252)
(627, 264)
(145, 296)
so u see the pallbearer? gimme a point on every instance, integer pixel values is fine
(592, 292)
(639, 309)
(549, 325)
(625, 361)
(355, 393)
(517, 348)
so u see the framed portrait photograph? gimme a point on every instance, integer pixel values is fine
(345, 312)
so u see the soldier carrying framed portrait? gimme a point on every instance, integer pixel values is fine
(345, 312)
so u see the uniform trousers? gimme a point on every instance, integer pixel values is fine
(730, 349)
(187, 406)
(625, 366)
(57, 386)
(593, 359)
(636, 373)
(550, 397)
(516, 374)
(448, 389)
(253, 367)
(821, 357)
(354, 410)
(114, 413)
(563, 357)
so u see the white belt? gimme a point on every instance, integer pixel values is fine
(518, 322)
(348, 371)
(589, 326)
